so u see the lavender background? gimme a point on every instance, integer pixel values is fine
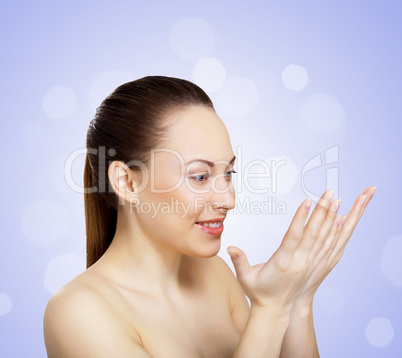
(290, 79)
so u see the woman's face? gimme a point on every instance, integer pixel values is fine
(178, 194)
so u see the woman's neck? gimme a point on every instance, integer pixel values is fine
(135, 261)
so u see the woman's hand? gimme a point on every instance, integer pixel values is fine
(305, 257)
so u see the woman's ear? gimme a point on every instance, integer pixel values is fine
(123, 181)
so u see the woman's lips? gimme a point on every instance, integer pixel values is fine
(211, 230)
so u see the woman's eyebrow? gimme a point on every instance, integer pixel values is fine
(211, 164)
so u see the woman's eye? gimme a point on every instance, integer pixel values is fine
(230, 173)
(200, 178)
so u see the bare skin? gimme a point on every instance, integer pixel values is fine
(196, 324)
(160, 290)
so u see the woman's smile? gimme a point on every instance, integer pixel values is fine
(212, 227)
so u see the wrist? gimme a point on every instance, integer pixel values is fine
(302, 307)
(276, 310)
(303, 301)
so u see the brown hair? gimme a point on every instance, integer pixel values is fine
(129, 123)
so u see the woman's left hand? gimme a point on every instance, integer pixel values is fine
(336, 234)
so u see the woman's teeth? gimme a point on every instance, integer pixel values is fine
(213, 225)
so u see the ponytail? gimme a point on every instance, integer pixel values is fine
(100, 219)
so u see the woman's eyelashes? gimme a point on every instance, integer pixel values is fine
(204, 177)
(200, 178)
(230, 173)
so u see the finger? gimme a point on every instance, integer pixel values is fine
(329, 220)
(324, 259)
(294, 234)
(350, 222)
(328, 229)
(370, 191)
(356, 213)
(340, 220)
(336, 246)
(313, 227)
(240, 262)
(329, 242)
(347, 226)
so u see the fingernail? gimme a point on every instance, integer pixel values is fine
(308, 203)
(336, 204)
(231, 253)
(330, 195)
(373, 192)
(363, 199)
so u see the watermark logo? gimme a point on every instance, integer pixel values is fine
(332, 174)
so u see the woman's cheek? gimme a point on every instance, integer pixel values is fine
(195, 201)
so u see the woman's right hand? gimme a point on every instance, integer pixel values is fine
(299, 259)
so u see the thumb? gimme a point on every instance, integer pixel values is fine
(239, 260)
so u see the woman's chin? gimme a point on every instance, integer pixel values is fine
(209, 250)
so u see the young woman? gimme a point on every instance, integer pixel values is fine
(158, 178)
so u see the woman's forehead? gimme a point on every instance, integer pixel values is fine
(168, 157)
(198, 132)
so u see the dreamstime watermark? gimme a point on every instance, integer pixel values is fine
(269, 173)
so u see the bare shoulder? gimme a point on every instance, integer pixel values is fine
(224, 272)
(79, 322)
(215, 263)
(239, 305)
(221, 265)
(216, 268)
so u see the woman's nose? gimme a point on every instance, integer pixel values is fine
(223, 194)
